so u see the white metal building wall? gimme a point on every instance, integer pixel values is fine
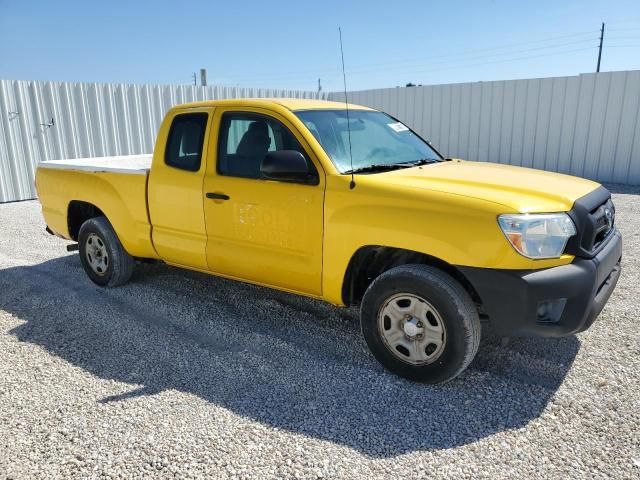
(89, 120)
(586, 125)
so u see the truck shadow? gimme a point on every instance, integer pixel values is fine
(288, 362)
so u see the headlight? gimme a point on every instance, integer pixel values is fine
(538, 235)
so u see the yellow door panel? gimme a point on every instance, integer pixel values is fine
(175, 190)
(266, 231)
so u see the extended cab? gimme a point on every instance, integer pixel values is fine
(353, 207)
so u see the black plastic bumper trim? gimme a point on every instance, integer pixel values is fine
(510, 297)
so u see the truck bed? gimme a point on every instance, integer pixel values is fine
(136, 164)
(117, 186)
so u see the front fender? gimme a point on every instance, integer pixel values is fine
(456, 229)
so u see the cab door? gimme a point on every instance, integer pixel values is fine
(262, 231)
(175, 202)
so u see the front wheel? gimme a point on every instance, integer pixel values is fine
(103, 257)
(420, 323)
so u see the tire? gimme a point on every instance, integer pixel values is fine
(420, 323)
(102, 255)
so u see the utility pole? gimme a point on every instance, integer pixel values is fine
(600, 47)
(193, 76)
(319, 86)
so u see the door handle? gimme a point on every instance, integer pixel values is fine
(217, 196)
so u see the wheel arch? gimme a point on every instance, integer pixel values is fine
(370, 261)
(133, 230)
(78, 212)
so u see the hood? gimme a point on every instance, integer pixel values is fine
(517, 188)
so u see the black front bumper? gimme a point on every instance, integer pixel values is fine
(512, 299)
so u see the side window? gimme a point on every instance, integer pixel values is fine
(184, 144)
(237, 130)
(245, 139)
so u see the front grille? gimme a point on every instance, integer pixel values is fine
(594, 217)
(604, 218)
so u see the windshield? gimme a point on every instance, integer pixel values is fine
(377, 140)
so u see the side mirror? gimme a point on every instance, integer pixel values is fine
(286, 166)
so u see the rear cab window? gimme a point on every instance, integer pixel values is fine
(185, 141)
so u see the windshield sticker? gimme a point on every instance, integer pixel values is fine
(397, 127)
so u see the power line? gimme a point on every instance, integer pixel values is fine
(452, 60)
(502, 61)
(461, 59)
(477, 64)
(385, 66)
(450, 54)
(373, 67)
(502, 47)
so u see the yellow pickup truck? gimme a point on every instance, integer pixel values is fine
(348, 205)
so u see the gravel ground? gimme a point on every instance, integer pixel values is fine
(179, 374)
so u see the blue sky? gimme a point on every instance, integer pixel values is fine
(289, 44)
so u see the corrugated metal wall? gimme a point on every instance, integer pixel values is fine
(585, 125)
(89, 120)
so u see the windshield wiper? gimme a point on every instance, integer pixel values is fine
(419, 162)
(378, 168)
(385, 167)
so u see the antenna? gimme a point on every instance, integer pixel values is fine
(352, 184)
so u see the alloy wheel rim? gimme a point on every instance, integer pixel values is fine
(412, 329)
(96, 254)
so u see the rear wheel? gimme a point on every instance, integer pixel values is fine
(102, 255)
(420, 323)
